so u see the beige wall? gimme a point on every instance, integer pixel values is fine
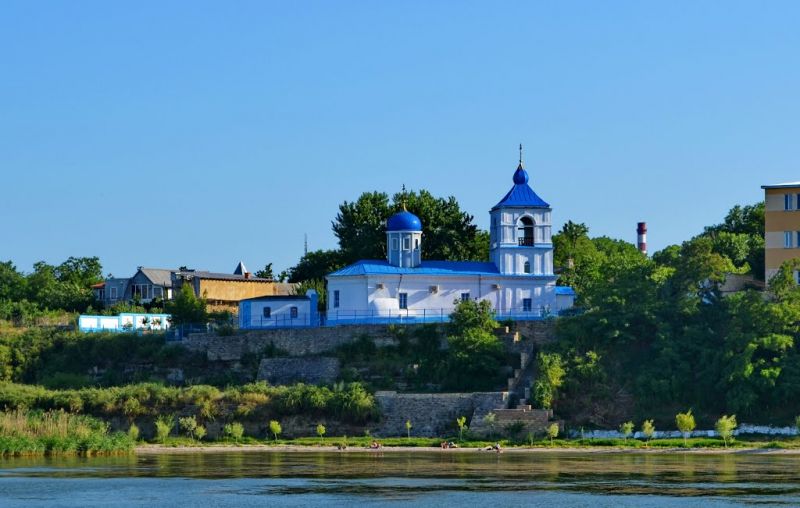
(776, 221)
(224, 295)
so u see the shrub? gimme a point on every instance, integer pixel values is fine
(189, 425)
(133, 432)
(725, 427)
(626, 429)
(233, 431)
(164, 425)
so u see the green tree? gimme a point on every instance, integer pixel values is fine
(234, 431)
(189, 425)
(450, 233)
(408, 429)
(320, 431)
(317, 285)
(461, 421)
(550, 377)
(266, 272)
(360, 227)
(648, 430)
(164, 425)
(13, 285)
(474, 355)
(626, 429)
(552, 432)
(725, 427)
(275, 428)
(186, 308)
(685, 423)
(316, 265)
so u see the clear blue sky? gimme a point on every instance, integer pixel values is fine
(198, 133)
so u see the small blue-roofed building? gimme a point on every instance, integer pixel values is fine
(518, 280)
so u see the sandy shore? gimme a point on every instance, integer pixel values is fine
(224, 448)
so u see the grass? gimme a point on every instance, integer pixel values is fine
(58, 433)
(350, 403)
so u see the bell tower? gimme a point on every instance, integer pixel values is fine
(521, 230)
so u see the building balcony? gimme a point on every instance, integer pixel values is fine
(525, 242)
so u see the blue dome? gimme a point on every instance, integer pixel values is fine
(520, 175)
(404, 221)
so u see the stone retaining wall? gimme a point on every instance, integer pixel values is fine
(295, 341)
(313, 370)
(432, 414)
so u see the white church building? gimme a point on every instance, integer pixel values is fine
(518, 281)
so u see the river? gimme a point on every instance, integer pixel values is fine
(435, 479)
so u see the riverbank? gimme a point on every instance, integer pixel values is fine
(155, 449)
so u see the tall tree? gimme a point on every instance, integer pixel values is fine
(316, 265)
(360, 227)
(12, 282)
(448, 232)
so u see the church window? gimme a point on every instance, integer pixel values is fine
(267, 312)
(406, 243)
(527, 305)
(336, 299)
(464, 297)
(525, 231)
(416, 244)
(293, 312)
(526, 268)
(403, 300)
(395, 244)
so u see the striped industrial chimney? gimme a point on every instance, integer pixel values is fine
(641, 237)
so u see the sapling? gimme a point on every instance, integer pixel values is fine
(685, 423)
(275, 428)
(626, 429)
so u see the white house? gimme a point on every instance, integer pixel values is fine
(282, 311)
(518, 280)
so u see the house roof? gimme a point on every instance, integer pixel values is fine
(781, 185)
(240, 269)
(201, 274)
(275, 297)
(521, 193)
(453, 268)
(158, 276)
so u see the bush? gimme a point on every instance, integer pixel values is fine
(164, 425)
(233, 431)
(133, 432)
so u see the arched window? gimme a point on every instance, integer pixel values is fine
(525, 231)
(526, 268)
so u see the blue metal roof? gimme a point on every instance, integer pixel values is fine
(381, 267)
(521, 194)
(565, 290)
(404, 221)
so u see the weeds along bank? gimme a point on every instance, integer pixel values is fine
(24, 432)
(300, 407)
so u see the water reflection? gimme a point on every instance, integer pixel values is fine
(314, 476)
